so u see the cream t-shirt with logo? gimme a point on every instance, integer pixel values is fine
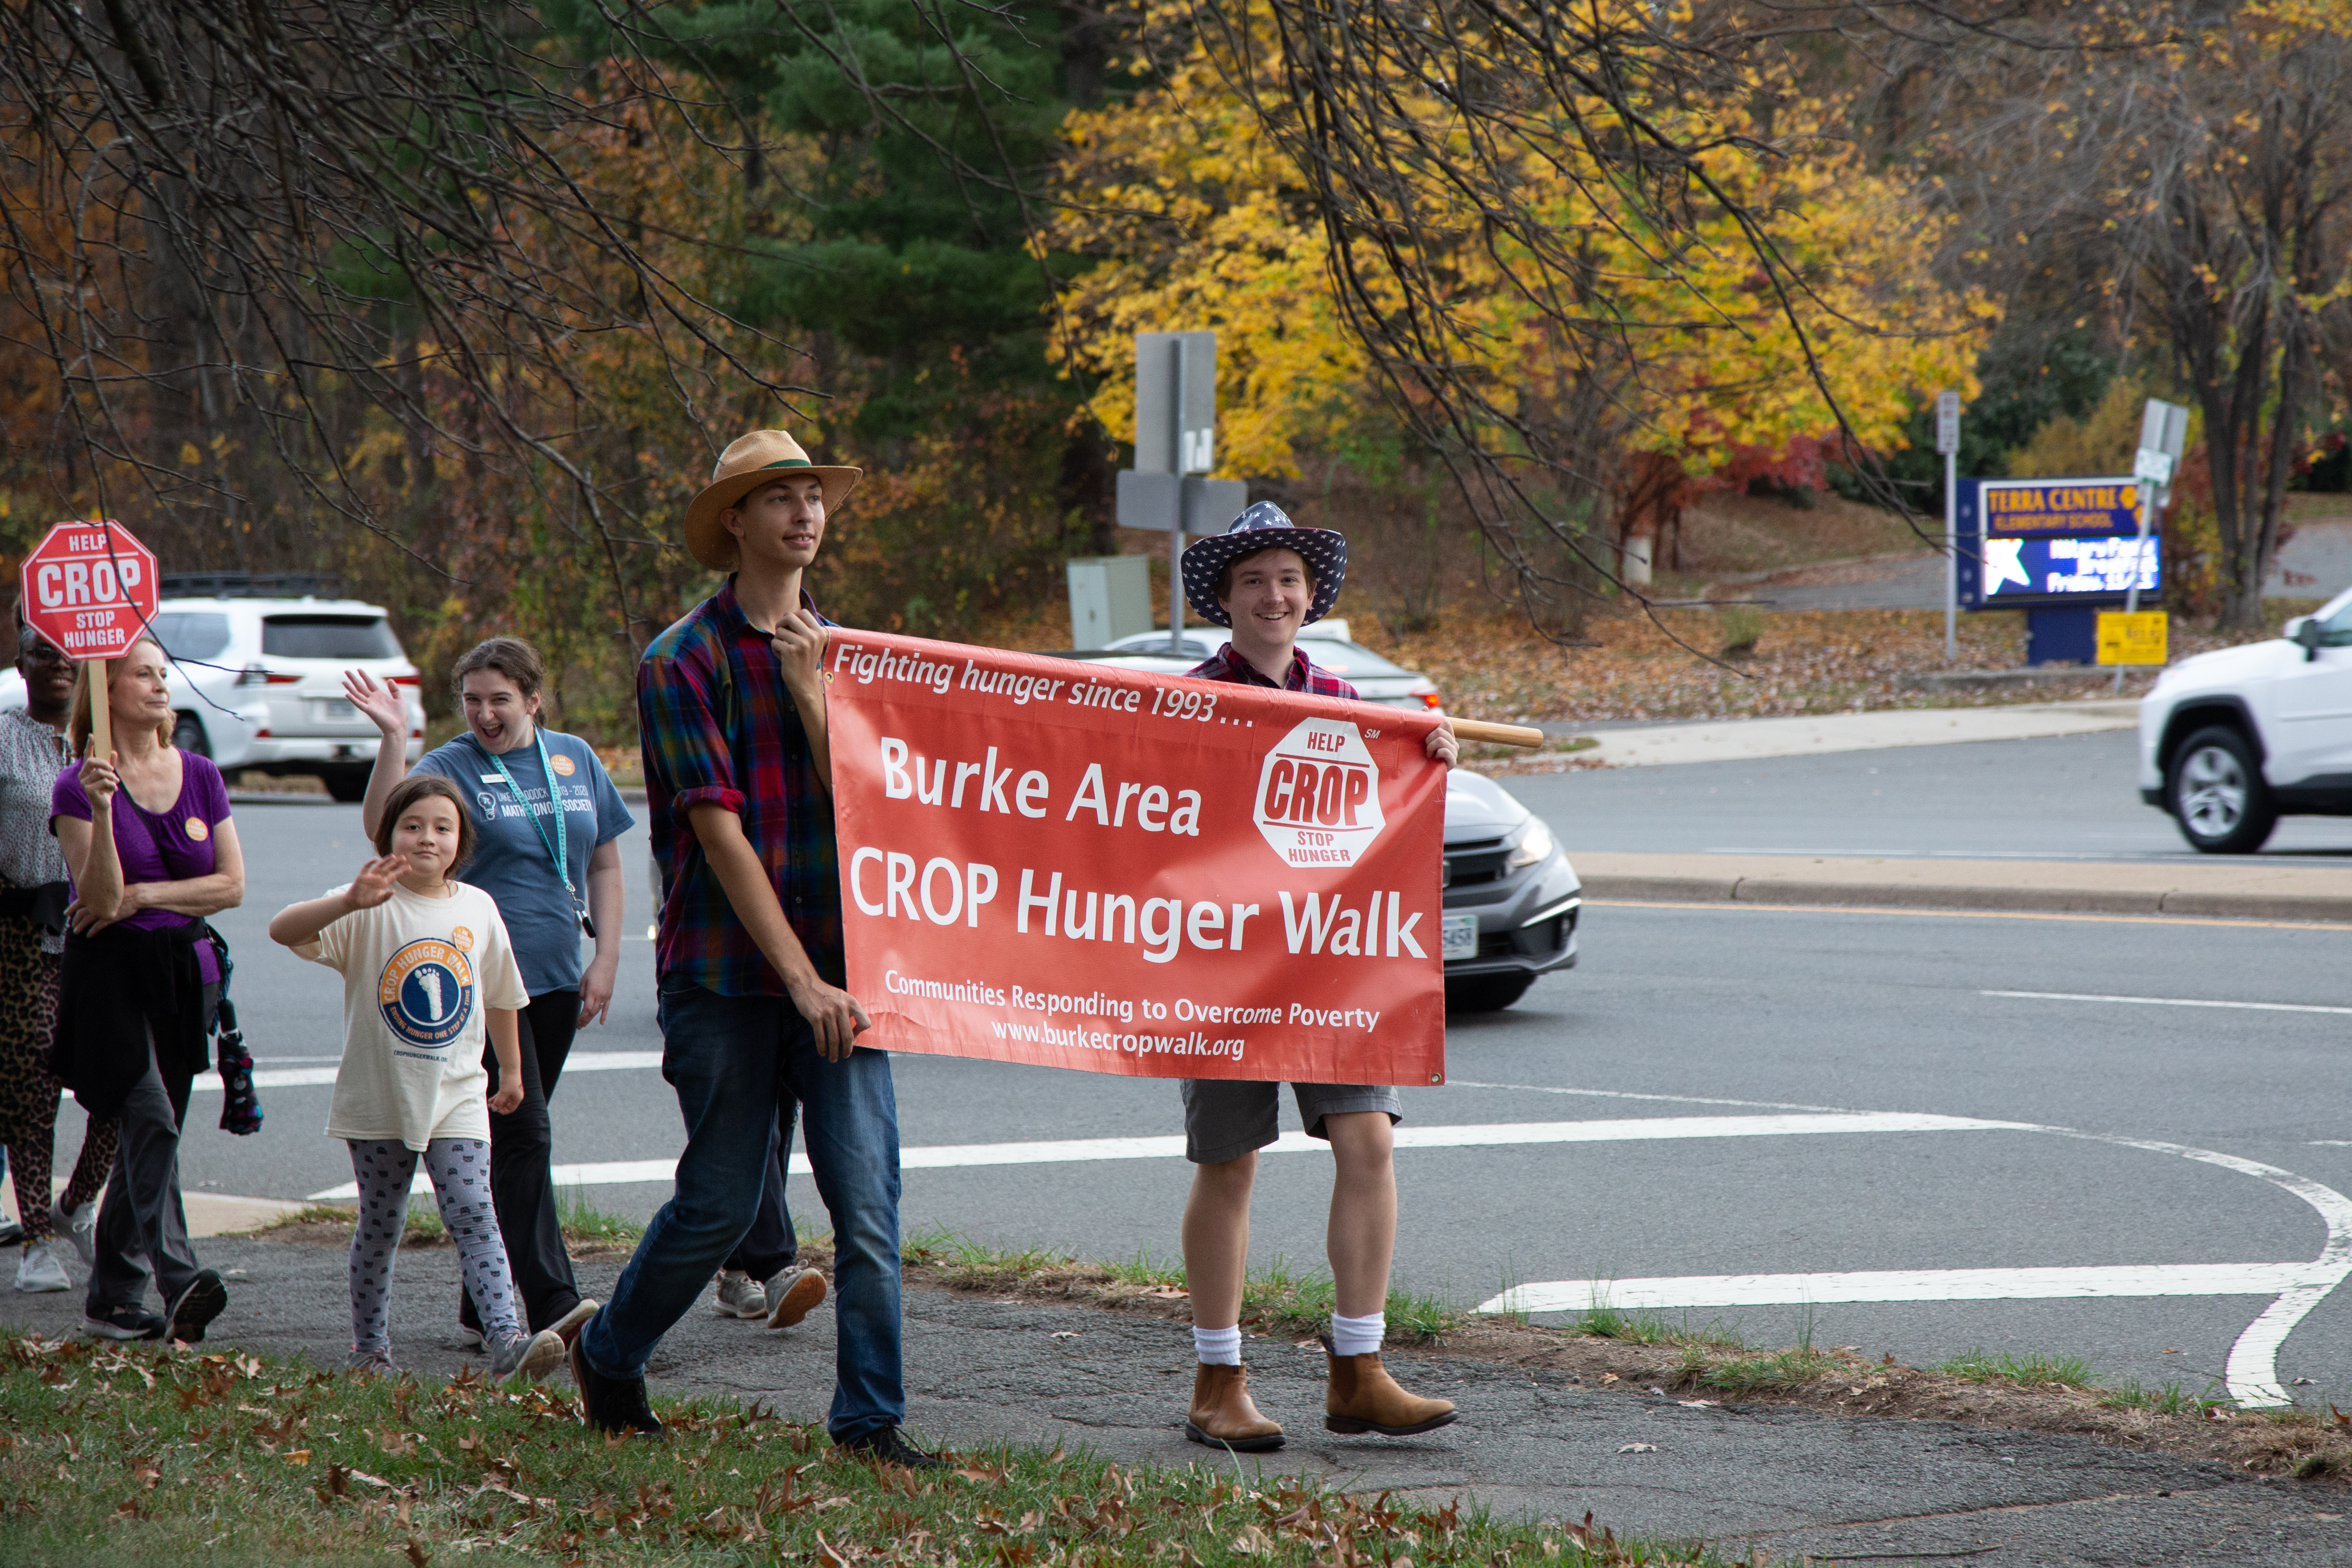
(417, 973)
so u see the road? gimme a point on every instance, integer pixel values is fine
(1787, 1084)
(2070, 797)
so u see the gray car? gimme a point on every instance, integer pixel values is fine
(1511, 898)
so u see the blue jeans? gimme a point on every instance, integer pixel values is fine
(732, 1059)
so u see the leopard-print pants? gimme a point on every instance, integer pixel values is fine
(29, 1094)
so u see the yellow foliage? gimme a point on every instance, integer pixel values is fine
(1197, 219)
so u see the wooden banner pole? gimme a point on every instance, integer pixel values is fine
(1497, 734)
(101, 731)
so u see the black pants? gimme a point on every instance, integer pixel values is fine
(769, 1246)
(522, 1154)
(143, 1232)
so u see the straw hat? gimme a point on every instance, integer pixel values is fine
(1264, 526)
(748, 462)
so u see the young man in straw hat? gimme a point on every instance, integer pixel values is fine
(1265, 579)
(730, 701)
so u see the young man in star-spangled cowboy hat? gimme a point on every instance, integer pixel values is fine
(1265, 578)
(730, 701)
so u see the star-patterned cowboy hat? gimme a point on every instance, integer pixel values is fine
(748, 462)
(1266, 526)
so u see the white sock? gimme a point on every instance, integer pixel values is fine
(1218, 1347)
(1357, 1336)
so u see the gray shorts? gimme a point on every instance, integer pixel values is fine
(1227, 1117)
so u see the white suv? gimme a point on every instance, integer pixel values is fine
(2232, 740)
(259, 681)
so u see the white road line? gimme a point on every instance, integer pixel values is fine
(304, 1078)
(2166, 1001)
(1491, 1134)
(1914, 1284)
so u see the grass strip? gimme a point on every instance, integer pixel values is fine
(140, 1455)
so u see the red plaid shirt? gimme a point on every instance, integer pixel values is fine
(1304, 674)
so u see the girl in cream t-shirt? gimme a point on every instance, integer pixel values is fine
(427, 970)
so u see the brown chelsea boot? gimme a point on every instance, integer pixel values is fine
(1364, 1398)
(1222, 1415)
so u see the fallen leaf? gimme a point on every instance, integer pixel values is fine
(1638, 1448)
(297, 1456)
(417, 1552)
(1065, 1333)
(1608, 1377)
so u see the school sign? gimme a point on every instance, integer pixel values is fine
(2036, 543)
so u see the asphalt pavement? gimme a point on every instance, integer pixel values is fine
(1715, 1095)
(2064, 797)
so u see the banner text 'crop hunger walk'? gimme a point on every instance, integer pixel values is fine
(1016, 829)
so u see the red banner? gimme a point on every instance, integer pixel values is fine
(1047, 861)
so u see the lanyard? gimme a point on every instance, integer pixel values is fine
(556, 846)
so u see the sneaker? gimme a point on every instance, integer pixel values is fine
(372, 1364)
(469, 1338)
(613, 1404)
(125, 1322)
(888, 1446)
(528, 1356)
(79, 1226)
(199, 1304)
(42, 1269)
(795, 1296)
(739, 1296)
(567, 1326)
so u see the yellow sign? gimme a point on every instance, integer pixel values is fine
(2137, 638)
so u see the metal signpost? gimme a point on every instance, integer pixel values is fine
(1176, 442)
(1947, 442)
(2163, 435)
(91, 589)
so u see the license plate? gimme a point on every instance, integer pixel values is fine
(335, 711)
(1461, 934)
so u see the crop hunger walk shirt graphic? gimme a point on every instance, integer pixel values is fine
(426, 992)
(417, 974)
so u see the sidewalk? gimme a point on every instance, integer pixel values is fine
(1741, 740)
(2241, 889)
(1783, 1482)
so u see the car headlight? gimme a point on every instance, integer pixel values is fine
(1534, 844)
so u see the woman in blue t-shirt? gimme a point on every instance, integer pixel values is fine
(548, 852)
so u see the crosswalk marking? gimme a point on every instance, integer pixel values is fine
(1474, 1135)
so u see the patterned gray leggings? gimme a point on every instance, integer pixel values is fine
(460, 1172)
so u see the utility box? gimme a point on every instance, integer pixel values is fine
(1110, 598)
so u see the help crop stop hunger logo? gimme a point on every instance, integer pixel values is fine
(1319, 796)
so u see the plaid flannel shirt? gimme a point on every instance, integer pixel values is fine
(719, 728)
(1304, 674)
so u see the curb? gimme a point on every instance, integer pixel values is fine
(2059, 899)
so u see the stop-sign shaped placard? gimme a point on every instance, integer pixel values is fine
(91, 588)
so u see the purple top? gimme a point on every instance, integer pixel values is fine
(170, 847)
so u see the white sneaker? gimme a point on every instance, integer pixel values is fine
(42, 1269)
(80, 1226)
(739, 1296)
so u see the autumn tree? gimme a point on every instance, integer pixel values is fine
(1560, 246)
(2188, 166)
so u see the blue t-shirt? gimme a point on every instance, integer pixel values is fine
(510, 861)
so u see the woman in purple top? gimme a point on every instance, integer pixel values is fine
(147, 837)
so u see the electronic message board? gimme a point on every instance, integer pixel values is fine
(2034, 543)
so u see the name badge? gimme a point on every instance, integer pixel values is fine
(493, 778)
